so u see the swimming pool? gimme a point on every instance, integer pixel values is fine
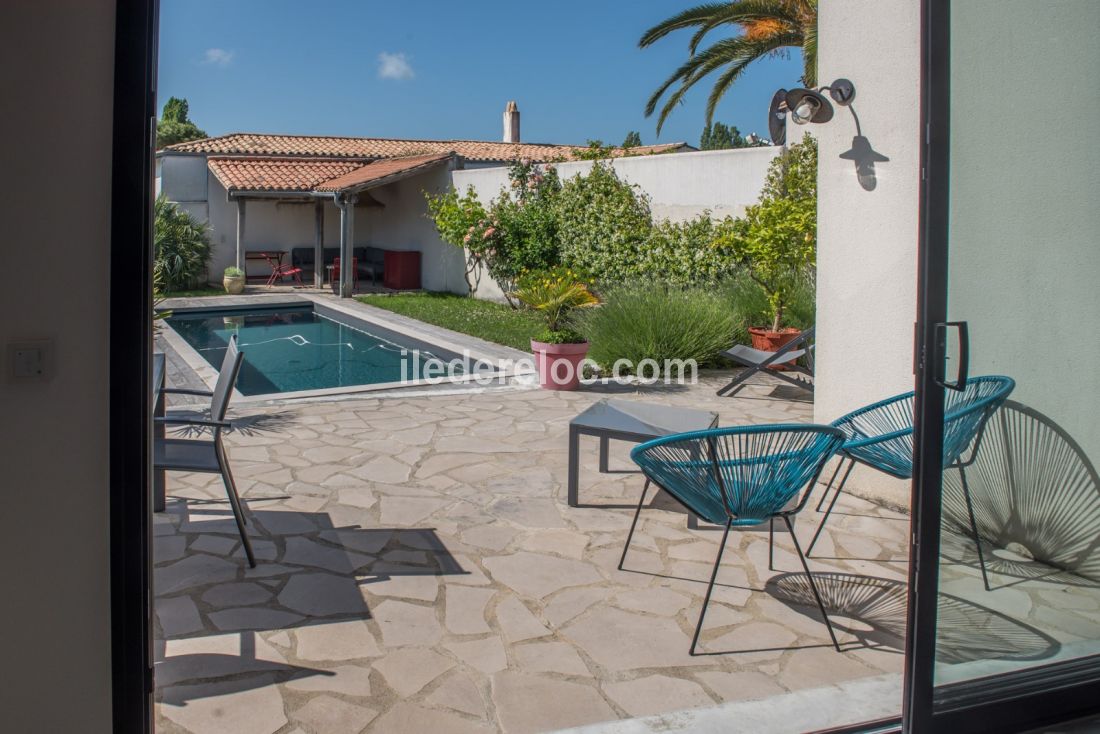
(296, 348)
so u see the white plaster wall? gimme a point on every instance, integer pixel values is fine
(183, 178)
(55, 58)
(681, 186)
(867, 240)
(1025, 225)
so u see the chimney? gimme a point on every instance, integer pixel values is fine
(511, 123)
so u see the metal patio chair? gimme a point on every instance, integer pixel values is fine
(756, 360)
(739, 477)
(207, 456)
(880, 436)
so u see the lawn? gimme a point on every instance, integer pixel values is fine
(495, 322)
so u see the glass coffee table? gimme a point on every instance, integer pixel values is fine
(626, 420)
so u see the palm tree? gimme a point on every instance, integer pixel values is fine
(767, 27)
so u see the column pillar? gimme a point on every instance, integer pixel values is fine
(240, 234)
(319, 245)
(347, 243)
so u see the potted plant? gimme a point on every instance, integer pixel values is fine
(776, 241)
(558, 350)
(233, 280)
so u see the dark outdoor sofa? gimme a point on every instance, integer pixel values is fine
(371, 260)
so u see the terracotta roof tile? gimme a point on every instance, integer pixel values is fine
(256, 173)
(240, 144)
(380, 170)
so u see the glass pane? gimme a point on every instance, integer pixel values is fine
(1024, 259)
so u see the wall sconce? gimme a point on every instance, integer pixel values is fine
(811, 106)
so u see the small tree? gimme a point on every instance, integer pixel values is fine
(633, 140)
(719, 136)
(776, 240)
(596, 151)
(181, 247)
(463, 223)
(175, 126)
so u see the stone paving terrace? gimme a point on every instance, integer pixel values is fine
(419, 570)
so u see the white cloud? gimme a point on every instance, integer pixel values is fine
(394, 66)
(217, 57)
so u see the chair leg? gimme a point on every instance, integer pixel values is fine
(634, 524)
(771, 544)
(813, 585)
(829, 511)
(235, 503)
(825, 494)
(737, 383)
(974, 527)
(710, 587)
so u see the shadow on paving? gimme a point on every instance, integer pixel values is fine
(310, 575)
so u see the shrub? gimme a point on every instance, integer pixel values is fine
(233, 272)
(687, 253)
(655, 321)
(603, 225)
(526, 224)
(776, 242)
(750, 307)
(181, 247)
(463, 223)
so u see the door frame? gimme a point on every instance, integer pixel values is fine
(130, 349)
(1015, 701)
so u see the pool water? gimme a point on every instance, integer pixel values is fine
(292, 349)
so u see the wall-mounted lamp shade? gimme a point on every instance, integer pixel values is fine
(808, 106)
(777, 118)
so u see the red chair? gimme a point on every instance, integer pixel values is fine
(354, 272)
(280, 271)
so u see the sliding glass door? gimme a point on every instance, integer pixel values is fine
(1006, 596)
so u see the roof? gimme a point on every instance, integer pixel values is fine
(303, 175)
(262, 144)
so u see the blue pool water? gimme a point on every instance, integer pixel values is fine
(291, 349)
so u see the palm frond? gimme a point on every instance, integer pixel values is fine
(726, 80)
(746, 12)
(686, 19)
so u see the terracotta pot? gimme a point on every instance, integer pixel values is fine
(767, 340)
(233, 284)
(559, 365)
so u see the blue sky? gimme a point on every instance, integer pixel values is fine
(440, 69)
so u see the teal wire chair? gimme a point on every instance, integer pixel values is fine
(880, 436)
(739, 477)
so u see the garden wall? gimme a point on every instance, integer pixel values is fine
(681, 186)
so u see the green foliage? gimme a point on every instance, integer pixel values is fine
(720, 137)
(463, 223)
(525, 224)
(495, 322)
(596, 151)
(556, 294)
(776, 241)
(633, 139)
(603, 224)
(181, 247)
(175, 126)
(233, 272)
(750, 307)
(660, 322)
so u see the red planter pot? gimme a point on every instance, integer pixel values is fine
(767, 340)
(559, 365)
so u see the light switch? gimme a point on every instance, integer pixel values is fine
(30, 361)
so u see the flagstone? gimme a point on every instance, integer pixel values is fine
(621, 640)
(517, 622)
(465, 614)
(407, 511)
(407, 624)
(486, 655)
(527, 703)
(458, 692)
(405, 718)
(322, 594)
(215, 656)
(657, 694)
(409, 669)
(178, 615)
(328, 714)
(396, 579)
(551, 657)
(336, 641)
(256, 708)
(538, 575)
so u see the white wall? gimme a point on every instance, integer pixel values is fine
(681, 186)
(56, 57)
(867, 239)
(1025, 225)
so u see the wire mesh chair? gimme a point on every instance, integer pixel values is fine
(880, 436)
(739, 477)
